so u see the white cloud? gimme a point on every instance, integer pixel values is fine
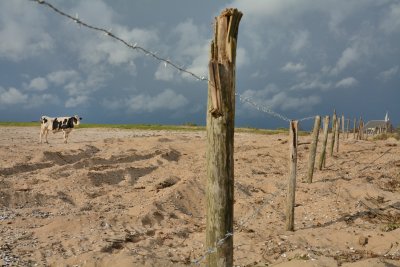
(12, 96)
(23, 31)
(192, 46)
(167, 100)
(391, 21)
(312, 84)
(94, 79)
(346, 82)
(388, 74)
(274, 99)
(293, 67)
(42, 100)
(76, 101)
(303, 104)
(300, 41)
(113, 104)
(94, 50)
(95, 12)
(349, 55)
(39, 84)
(62, 76)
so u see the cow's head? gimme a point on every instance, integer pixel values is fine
(43, 119)
(77, 120)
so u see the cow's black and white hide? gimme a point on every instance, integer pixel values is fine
(58, 124)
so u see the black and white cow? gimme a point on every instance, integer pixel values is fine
(59, 124)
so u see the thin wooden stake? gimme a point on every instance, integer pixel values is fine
(359, 133)
(324, 142)
(313, 148)
(342, 121)
(291, 189)
(220, 139)
(354, 128)
(337, 134)
(333, 133)
(348, 130)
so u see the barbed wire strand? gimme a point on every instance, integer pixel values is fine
(166, 62)
(133, 46)
(240, 225)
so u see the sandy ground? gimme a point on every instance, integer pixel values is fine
(133, 198)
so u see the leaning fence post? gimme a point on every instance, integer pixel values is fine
(324, 141)
(220, 139)
(337, 134)
(291, 189)
(313, 150)
(333, 133)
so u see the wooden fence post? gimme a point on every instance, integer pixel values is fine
(361, 129)
(337, 134)
(348, 130)
(359, 134)
(291, 189)
(333, 133)
(220, 138)
(313, 149)
(324, 141)
(343, 124)
(354, 128)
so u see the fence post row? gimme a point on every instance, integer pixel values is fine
(324, 142)
(313, 150)
(291, 188)
(220, 134)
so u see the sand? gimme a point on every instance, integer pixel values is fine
(137, 198)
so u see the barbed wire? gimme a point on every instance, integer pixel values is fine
(167, 62)
(242, 223)
(213, 249)
(245, 99)
(133, 46)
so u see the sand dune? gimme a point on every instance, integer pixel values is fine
(131, 198)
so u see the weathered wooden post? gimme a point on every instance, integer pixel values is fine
(361, 129)
(324, 141)
(359, 133)
(333, 133)
(354, 128)
(220, 138)
(291, 188)
(342, 121)
(313, 149)
(337, 134)
(348, 130)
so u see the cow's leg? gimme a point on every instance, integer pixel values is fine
(46, 132)
(65, 136)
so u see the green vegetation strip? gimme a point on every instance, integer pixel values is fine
(154, 127)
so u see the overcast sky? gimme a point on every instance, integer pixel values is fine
(298, 57)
